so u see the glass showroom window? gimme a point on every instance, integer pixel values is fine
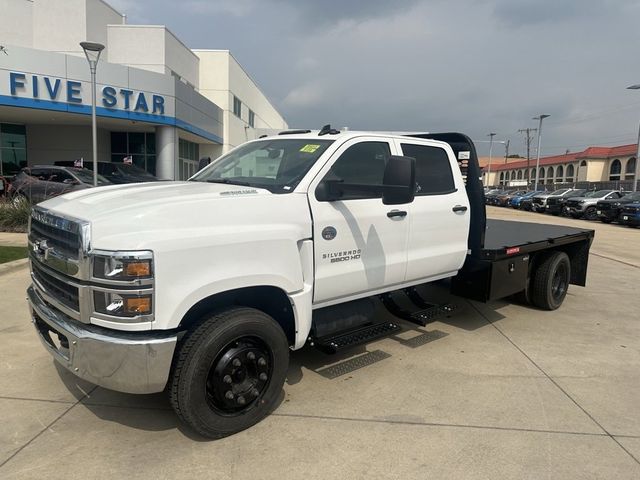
(615, 170)
(560, 173)
(140, 146)
(13, 148)
(630, 169)
(237, 107)
(187, 159)
(570, 173)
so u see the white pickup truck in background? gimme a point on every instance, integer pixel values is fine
(202, 287)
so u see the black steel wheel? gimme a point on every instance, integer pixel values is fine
(228, 373)
(550, 280)
(591, 213)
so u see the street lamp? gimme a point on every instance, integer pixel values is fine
(92, 51)
(540, 117)
(491, 135)
(637, 172)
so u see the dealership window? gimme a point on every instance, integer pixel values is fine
(140, 146)
(237, 107)
(13, 148)
(519, 174)
(615, 170)
(187, 159)
(570, 173)
(252, 118)
(501, 178)
(630, 169)
(560, 173)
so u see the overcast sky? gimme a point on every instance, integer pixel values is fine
(475, 66)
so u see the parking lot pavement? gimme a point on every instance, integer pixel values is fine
(495, 391)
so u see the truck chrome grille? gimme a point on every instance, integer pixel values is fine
(62, 234)
(62, 291)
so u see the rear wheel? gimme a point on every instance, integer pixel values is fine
(550, 281)
(229, 372)
(590, 213)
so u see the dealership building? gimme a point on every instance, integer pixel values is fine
(157, 100)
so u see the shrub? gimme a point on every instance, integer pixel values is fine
(14, 216)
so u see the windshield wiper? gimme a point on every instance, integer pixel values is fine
(229, 182)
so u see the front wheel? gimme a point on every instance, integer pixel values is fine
(591, 213)
(229, 372)
(550, 281)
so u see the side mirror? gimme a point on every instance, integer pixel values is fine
(329, 190)
(399, 181)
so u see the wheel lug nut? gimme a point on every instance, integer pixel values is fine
(262, 362)
(229, 395)
(227, 379)
(241, 400)
(263, 377)
(251, 356)
(255, 392)
(236, 362)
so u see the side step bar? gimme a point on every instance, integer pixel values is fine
(355, 337)
(428, 312)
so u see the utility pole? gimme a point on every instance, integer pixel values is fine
(506, 151)
(491, 135)
(528, 138)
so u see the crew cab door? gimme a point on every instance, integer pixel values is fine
(439, 215)
(359, 243)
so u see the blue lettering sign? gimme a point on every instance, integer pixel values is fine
(127, 95)
(35, 86)
(16, 80)
(73, 89)
(158, 104)
(141, 104)
(109, 99)
(53, 91)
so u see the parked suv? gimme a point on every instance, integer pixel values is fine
(38, 183)
(539, 202)
(556, 204)
(630, 215)
(609, 210)
(118, 172)
(585, 206)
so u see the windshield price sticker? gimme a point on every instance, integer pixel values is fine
(309, 148)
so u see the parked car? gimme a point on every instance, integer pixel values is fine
(539, 202)
(517, 200)
(38, 183)
(585, 206)
(489, 198)
(609, 210)
(504, 199)
(556, 204)
(117, 172)
(630, 215)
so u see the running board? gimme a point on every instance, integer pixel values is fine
(355, 337)
(428, 312)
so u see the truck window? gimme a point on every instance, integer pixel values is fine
(362, 163)
(433, 169)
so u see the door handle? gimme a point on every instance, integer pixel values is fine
(459, 208)
(396, 213)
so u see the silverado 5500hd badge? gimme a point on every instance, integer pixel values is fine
(343, 256)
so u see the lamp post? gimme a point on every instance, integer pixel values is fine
(92, 51)
(491, 135)
(637, 172)
(539, 117)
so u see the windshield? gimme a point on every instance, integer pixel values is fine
(275, 164)
(632, 196)
(561, 191)
(597, 194)
(126, 169)
(86, 176)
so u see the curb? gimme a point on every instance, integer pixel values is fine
(12, 266)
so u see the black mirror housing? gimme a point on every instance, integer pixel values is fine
(399, 181)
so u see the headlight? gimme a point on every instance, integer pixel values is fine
(123, 266)
(122, 305)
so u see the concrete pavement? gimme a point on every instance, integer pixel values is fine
(496, 391)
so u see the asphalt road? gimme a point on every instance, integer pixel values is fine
(495, 391)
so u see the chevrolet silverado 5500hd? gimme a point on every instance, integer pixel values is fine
(203, 287)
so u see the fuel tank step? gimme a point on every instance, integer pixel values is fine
(427, 313)
(355, 337)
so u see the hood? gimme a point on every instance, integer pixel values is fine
(136, 216)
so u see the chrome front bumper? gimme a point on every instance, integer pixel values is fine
(132, 362)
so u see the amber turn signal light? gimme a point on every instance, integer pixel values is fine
(138, 269)
(137, 305)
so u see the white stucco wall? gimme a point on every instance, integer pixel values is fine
(16, 23)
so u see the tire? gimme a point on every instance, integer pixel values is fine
(605, 220)
(590, 213)
(18, 200)
(550, 281)
(241, 351)
(575, 215)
